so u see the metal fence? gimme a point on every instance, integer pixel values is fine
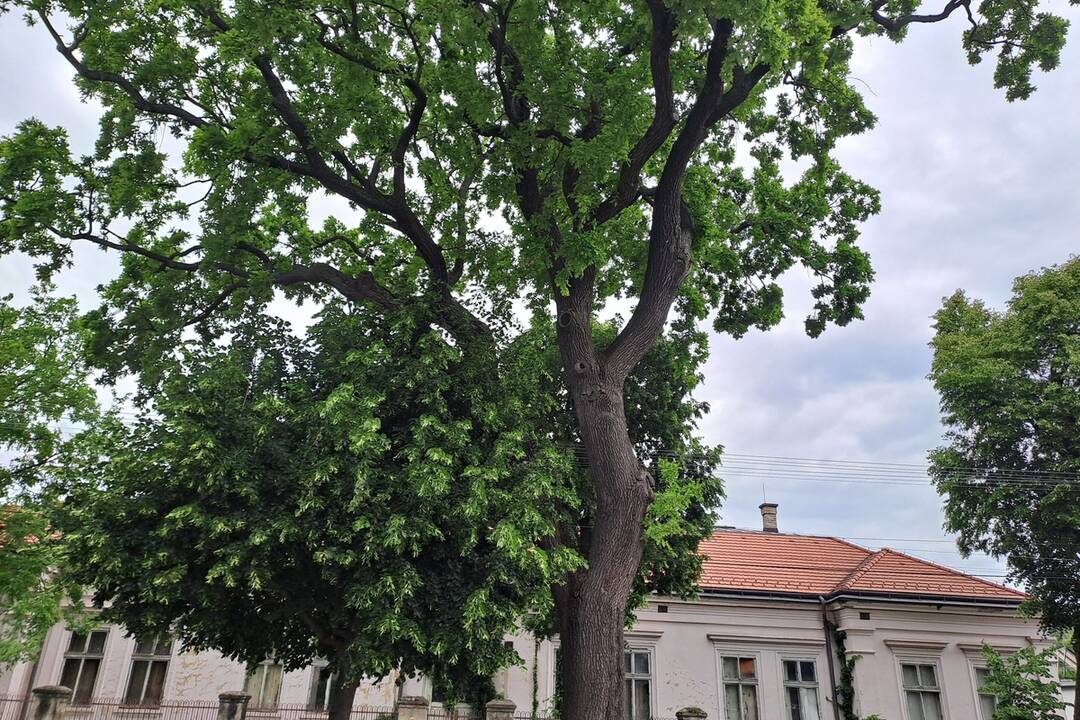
(307, 712)
(11, 707)
(115, 709)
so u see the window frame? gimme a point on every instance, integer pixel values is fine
(82, 656)
(154, 656)
(631, 648)
(757, 681)
(785, 683)
(642, 642)
(921, 660)
(975, 668)
(314, 703)
(256, 702)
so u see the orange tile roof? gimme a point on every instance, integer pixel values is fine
(743, 560)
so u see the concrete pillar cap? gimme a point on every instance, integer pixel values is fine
(691, 713)
(413, 701)
(501, 704)
(55, 690)
(233, 696)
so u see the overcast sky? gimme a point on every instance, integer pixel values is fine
(975, 191)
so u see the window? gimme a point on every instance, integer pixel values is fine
(801, 690)
(82, 663)
(149, 663)
(321, 680)
(987, 700)
(263, 684)
(638, 673)
(921, 691)
(740, 687)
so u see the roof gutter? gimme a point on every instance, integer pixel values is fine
(927, 599)
(860, 595)
(826, 627)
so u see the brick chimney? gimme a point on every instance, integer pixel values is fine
(768, 517)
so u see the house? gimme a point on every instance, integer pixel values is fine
(762, 641)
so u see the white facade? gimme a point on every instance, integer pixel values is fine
(684, 643)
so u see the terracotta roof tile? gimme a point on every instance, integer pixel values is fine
(746, 561)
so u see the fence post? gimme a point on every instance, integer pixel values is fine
(412, 707)
(232, 705)
(49, 702)
(691, 713)
(500, 709)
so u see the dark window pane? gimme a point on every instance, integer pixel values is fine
(641, 663)
(927, 676)
(77, 644)
(164, 645)
(911, 676)
(71, 673)
(641, 700)
(97, 642)
(793, 703)
(145, 646)
(628, 659)
(807, 671)
(84, 690)
(155, 684)
(319, 697)
(136, 682)
(628, 699)
(791, 671)
(731, 668)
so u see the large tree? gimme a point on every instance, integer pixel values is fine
(564, 154)
(1010, 396)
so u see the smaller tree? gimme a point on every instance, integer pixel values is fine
(1022, 684)
(365, 496)
(44, 389)
(1009, 383)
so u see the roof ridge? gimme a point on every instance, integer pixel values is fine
(859, 570)
(954, 571)
(750, 531)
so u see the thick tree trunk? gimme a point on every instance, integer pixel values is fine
(592, 604)
(342, 694)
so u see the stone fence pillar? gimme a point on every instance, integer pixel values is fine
(500, 709)
(49, 702)
(232, 705)
(412, 707)
(691, 713)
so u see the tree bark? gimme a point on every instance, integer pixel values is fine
(342, 694)
(592, 604)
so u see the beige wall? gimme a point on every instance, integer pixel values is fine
(687, 641)
(191, 676)
(685, 644)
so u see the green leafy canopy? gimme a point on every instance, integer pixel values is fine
(46, 394)
(1009, 383)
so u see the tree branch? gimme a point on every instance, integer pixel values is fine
(670, 234)
(663, 121)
